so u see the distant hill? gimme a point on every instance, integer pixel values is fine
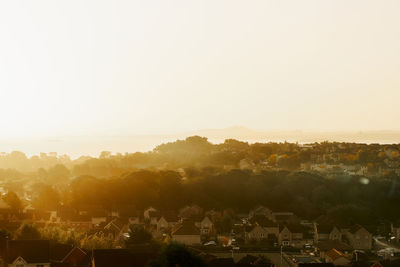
(76, 146)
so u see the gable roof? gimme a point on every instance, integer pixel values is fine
(32, 251)
(325, 228)
(334, 254)
(170, 217)
(327, 245)
(76, 255)
(115, 224)
(356, 228)
(186, 228)
(58, 251)
(257, 227)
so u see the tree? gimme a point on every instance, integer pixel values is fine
(47, 198)
(175, 254)
(138, 235)
(97, 241)
(13, 200)
(27, 232)
(58, 173)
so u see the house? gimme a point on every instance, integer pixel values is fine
(262, 229)
(206, 225)
(326, 232)
(337, 258)
(148, 212)
(28, 253)
(257, 233)
(324, 246)
(115, 227)
(167, 222)
(135, 220)
(76, 258)
(186, 233)
(359, 237)
(285, 237)
(68, 255)
(266, 223)
(295, 235)
(151, 215)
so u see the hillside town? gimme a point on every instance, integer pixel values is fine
(228, 204)
(261, 231)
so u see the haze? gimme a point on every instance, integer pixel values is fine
(156, 67)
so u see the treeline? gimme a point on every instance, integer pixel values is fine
(198, 152)
(232, 175)
(341, 201)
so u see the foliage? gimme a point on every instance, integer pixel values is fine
(27, 232)
(138, 235)
(60, 235)
(97, 241)
(13, 200)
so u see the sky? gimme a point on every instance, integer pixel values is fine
(155, 67)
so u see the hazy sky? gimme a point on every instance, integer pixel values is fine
(128, 67)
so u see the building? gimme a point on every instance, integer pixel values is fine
(337, 258)
(28, 253)
(206, 226)
(327, 245)
(326, 232)
(167, 222)
(186, 233)
(295, 235)
(359, 237)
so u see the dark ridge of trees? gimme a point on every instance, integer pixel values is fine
(343, 201)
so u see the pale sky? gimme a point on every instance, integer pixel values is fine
(78, 67)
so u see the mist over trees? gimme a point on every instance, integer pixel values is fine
(231, 175)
